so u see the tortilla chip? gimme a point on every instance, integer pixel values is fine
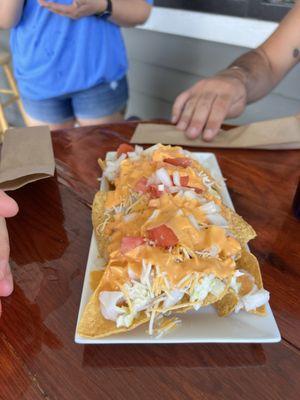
(242, 231)
(95, 278)
(227, 304)
(94, 326)
(98, 218)
(210, 299)
(249, 263)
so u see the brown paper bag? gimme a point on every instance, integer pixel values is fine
(277, 134)
(26, 156)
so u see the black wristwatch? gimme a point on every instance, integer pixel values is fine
(107, 12)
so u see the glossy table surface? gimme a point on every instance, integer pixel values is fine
(49, 245)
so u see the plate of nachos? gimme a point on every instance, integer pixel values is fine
(169, 260)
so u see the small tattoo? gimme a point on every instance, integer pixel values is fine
(296, 53)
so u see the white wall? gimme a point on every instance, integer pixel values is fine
(163, 65)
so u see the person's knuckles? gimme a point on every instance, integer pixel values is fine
(6, 289)
(197, 122)
(4, 248)
(214, 124)
(209, 135)
(184, 120)
(6, 286)
(221, 106)
(194, 130)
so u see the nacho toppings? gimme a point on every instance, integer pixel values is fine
(162, 236)
(124, 148)
(130, 242)
(179, 162)
(168, 241)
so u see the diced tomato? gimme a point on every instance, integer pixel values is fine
(124, 148)
(130, 242)
(179, 161)
(154, 192)
(184, 180)
(141, 185)
(162, 236)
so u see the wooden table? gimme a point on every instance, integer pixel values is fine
(50, 240)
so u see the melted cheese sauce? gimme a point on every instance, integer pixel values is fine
(173, 211)
(132, 171)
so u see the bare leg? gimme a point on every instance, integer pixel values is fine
(64, 125)
(117, 117)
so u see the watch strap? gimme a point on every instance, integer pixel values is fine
(107, 12)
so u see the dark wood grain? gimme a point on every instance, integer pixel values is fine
(50, 239)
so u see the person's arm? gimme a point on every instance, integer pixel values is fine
(125, 12)
(203, 108)
(8, 208)
(10, 13)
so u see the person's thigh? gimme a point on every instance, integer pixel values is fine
(103, 103)
(56, 112)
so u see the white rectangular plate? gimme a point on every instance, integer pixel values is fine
(203, 326)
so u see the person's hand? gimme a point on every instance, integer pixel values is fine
(76, 10)
(8, 208)
(203, 108)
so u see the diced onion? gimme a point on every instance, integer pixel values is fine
(217, 219)
(108, 304)
(193, 221)
(151, 150)
(176, 178)
(132, 155)
(191, 194)
(163, 176)
(233, 283)
(138, 149)
(256, 299)
(174, 189)
(125, 320)
(210, 208)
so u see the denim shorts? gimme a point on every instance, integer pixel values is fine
(97, 102)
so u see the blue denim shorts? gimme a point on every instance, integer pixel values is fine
(97, 102)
